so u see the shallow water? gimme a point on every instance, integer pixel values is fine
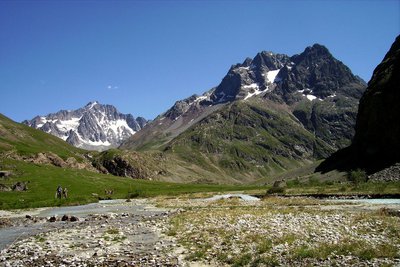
(103, 206)
(242, 196)
(380, 201)
(9, 235)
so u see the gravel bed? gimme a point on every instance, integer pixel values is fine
(200, 232)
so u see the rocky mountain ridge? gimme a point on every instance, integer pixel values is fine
(94, 127)
(269, 114)
(319, 90)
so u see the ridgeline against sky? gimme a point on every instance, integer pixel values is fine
(141, 56)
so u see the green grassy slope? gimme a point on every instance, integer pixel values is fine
(26, 141)
(248, 138)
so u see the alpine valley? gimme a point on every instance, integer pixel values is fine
(284, 160)
(272, 117)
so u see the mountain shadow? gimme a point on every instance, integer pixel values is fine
(376, 144)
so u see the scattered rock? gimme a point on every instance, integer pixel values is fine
(52, 219)
(5, 174)
(74, 219)
(20, 186)
(390, 174)
(4, 188)
(5, 222)
(389, 212)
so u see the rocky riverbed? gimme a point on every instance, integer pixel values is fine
(203, 232)
(106, 239)
(285, 232)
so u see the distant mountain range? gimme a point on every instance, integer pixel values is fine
(93, 127)
(270, 114)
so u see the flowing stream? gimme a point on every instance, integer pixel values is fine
(377, 201)
(8, 235)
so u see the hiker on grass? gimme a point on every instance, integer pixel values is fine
(59, 192)
(65, 192)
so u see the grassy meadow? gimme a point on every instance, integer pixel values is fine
(85, 186)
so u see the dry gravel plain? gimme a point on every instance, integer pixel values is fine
(196, 231)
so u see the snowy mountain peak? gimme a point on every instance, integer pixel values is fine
(95, 126)
(91, 104)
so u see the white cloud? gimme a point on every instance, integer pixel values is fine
(112, 87)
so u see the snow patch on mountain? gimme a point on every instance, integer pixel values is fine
(311, 97)
(94, 126)
(255, 90)
(68, 125)
(308, 94)
(271, 76)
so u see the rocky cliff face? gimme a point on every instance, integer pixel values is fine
(95, 126)
(378, 121)
(376, 143)
(130, 164)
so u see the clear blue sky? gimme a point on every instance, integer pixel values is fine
(142, 56)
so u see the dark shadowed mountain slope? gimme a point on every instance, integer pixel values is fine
(376, 143)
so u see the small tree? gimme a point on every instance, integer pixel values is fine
(357, 176)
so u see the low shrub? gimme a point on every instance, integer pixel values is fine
(357, 176)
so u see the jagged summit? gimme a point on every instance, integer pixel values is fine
(91, 104)
(313, 74)
(318, 49)
(95, 126)
(318, 90)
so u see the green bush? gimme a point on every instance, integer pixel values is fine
(276, 190)
(314, 181)
(136, 193)
(293, 183)
(357, 176)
